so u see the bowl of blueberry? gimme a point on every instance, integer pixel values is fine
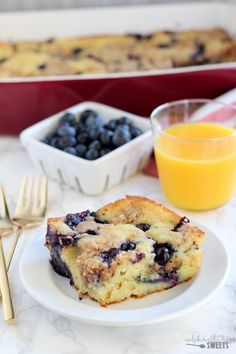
(90, 147)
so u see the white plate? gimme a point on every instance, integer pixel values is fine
(54, 292)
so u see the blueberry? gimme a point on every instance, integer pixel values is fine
(94, 121)
(70, 150)
(51, 135)
(140, 37)
(134, 131)
(66, 129)
(81, 150)
(112, 124)
(199, 52)
(55, 142)
(91, 232)
(170, 277)
(95, 132)
(128, 246)
(95, 145)
(143, 227)
(50, 40)
(184, 220)
(82, 138)
(85, 114)
(57, 264)
(42, 66)
(69, 118)
(133, 57)
(121, 136)
(100, 121)
(106, 137)
(91, 154)
(80, 128)
(45, 141)
(48, 138)
(104, 151)
(164, 45)
(125, 120)
(76, 50)
(163, 253)
(73, 220)
(67, 140)
(123, 126)
(108, 256)
(139, 257)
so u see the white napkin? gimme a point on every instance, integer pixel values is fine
(226, 114)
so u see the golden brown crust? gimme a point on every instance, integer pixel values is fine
(133, 208)
(228, 53)
(131, 204)
(115, 53)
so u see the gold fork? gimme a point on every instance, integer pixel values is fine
(6, 228)
(30, 209)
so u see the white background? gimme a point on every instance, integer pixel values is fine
(13, 5)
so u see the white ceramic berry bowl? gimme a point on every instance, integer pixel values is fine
(89, 177)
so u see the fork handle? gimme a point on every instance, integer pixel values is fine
(8, 310)
(13, 245)
(11, 251)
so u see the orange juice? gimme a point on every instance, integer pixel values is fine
(197, 164)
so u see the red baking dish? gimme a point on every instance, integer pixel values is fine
(25, 101)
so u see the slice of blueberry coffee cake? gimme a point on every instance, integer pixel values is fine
(129, 248)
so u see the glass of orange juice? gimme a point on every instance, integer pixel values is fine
(195, 151)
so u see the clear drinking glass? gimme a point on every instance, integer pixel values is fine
(195, 151)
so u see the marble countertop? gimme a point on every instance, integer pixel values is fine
(40, 331)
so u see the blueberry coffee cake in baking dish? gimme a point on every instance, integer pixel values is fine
(116, 53)
(129, 248)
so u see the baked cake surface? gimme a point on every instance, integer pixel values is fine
(116, 53)
(132, 247)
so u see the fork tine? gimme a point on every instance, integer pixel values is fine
(44, 194)
(5, 204)
(29, 194)
(21, 198)
(37, 193)
(4, 209)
